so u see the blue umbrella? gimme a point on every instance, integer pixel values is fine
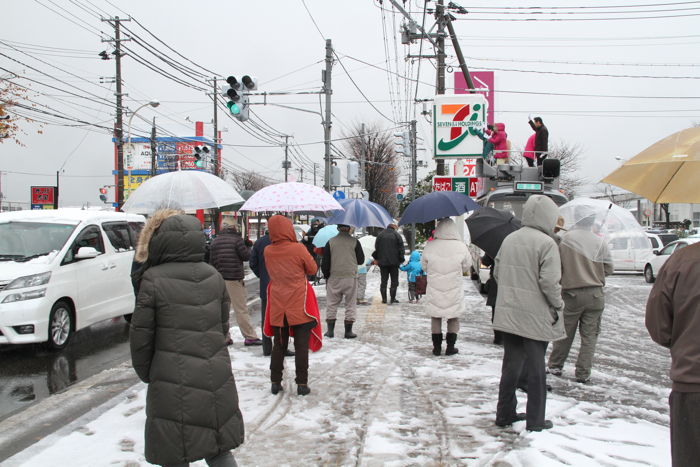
(361, 213)
(437, 205)
(325, 234)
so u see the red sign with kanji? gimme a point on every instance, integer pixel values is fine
(43, 194)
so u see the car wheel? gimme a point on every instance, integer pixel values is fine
(127, 318)
(60, 325)
(648, 274)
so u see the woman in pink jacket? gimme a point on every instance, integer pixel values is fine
(499, 139)
(529, 152)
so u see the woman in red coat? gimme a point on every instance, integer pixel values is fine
(288, 264)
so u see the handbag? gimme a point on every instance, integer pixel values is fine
(421, 284)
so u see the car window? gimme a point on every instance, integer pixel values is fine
(618, 244)
(118, 235)
(91, 236)
(654, 242)
(668, 250)
(135, 229)
(681, 245)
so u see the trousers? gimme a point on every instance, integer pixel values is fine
(386, 272)
(685, 431)
(519, 351)
(302, 333)
(225, 459)
(436, 325)
(361, 285)
(583, 309)
(238, 294)
(339, 290)
(267, 341)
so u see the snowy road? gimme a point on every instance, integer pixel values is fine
(384, 399)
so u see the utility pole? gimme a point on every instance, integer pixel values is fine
(414, 175)
(1, 195)
(440, 78)
(217, 168)
(55, 195)
(118, 128)
(154, 149)
(301, 174)
(327, 120)
(315, 164)
(287, 165)
(363, 157)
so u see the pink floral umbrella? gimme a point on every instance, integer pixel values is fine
(292, 197)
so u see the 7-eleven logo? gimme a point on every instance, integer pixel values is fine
(465, 118)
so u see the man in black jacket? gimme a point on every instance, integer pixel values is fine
(389, 253)
(228, 252)
(541, 139)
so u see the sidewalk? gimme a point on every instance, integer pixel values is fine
(384, 399)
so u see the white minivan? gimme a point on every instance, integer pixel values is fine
(62, 270)
(630, 251)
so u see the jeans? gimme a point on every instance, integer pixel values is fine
(267, 341)
(385, 272)
(302, 333)
(518, 352)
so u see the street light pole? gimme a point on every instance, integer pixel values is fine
(153, 104)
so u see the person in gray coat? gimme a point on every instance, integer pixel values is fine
(528, 310)
(178, 347)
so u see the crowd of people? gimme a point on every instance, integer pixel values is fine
(542, 290)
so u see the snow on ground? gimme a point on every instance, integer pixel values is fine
(384, 399)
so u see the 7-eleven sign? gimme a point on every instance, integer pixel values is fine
(456, 123)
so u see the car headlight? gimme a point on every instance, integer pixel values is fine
(28, 295)
(29, 281)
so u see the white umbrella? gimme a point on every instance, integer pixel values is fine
(367, 242)
(183, 189)
(291, 197)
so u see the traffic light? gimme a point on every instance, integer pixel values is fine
(353, 174)
(335, 175)
(249, 84)
(232, 92)
(103, 194)
(199, 153)
(403, 143)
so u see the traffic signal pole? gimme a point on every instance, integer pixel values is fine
(440, 79)
(327, 120)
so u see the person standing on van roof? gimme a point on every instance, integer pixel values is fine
(528, 310)
(585, 261)
(228, 252)
(178, 348)
(541, 139)
(673, 321)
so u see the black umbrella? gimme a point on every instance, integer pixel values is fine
(488, 227)
(437, 205)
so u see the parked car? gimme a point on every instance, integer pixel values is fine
(63, 270)
(654, 264)
(629, 252)
(660, 239)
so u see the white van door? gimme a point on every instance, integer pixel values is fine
(621, 254)
(92, 276)
(121, 239)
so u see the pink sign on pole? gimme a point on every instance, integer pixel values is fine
(482, 80)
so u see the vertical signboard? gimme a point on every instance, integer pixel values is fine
(483, 80)
(43, 197)
(457, 121)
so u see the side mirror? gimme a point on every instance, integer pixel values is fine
(87, 252)
(656, 252)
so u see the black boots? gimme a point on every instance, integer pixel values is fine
(383, 292)
(276, 387)
(348, 330)
(437, 344)
(451, 339)
(303, 390)
(331, 328)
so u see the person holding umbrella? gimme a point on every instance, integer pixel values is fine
(389, 250)
(445, 260)
(341, 256)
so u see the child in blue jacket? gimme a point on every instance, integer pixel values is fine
(413, 270)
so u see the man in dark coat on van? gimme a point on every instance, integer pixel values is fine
(228, 252)
(673, 320)
(541, 139)
(178, 347)
(389, 252)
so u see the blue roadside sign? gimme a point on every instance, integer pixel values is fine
(339, 195)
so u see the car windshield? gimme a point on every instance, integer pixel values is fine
(514, 203)
(22, 241)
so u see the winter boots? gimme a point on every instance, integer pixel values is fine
(276, 387)
(303, 390)
(348, 330)
(331, 328)
(437, 344)
(383, 292)
(451, 339)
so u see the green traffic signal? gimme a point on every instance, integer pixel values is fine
(198, 163)
(233, 108)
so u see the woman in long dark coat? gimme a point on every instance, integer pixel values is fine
(178, 347)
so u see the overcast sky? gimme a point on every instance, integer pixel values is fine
(277, 42)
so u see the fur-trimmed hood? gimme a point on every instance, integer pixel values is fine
(149, 229)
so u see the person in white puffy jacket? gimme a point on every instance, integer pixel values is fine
(445, 260)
